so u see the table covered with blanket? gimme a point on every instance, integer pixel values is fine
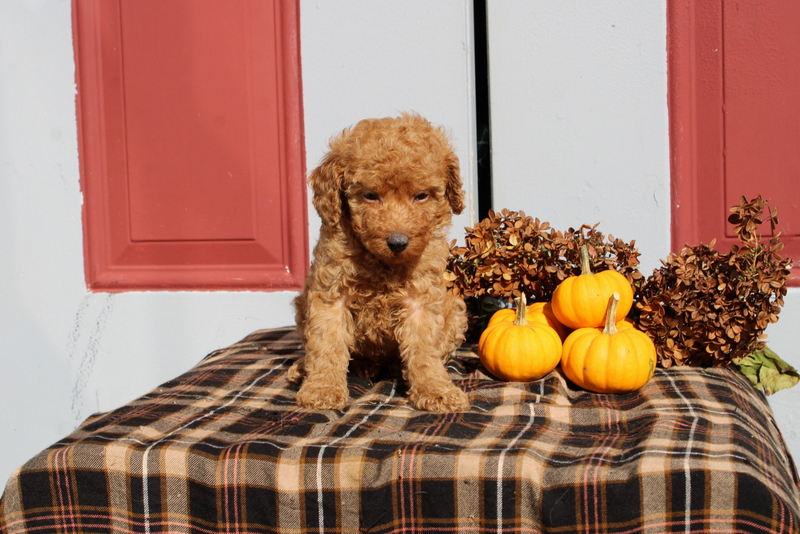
(223, 448)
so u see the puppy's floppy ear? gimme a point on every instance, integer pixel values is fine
(454, 191)
(326, 183)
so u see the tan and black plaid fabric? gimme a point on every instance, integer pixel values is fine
(223, 448)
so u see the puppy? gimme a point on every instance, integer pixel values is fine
(375, 297)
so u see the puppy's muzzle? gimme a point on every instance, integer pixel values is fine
(397, 242)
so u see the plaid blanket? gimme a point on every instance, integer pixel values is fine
(223, 448)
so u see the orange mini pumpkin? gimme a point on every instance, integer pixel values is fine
(538, 312)
(615, 359)
(580, 301)
(519, 351)
(543, 311)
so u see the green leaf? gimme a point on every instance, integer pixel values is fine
(767, 371)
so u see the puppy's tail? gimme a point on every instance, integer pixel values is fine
(297, 371)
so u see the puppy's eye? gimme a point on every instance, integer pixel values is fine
(422, 196)
(371, 197)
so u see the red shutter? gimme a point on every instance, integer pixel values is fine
(734, 73)
(190, 125)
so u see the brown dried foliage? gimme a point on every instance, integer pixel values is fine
(704, 308)
(701, 307)
(509, 253)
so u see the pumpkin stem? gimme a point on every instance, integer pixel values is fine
(521, 310)
(586, 266)
(611, 314)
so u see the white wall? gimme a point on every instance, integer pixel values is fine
(66, 353)
(580, 133)
(579, 116)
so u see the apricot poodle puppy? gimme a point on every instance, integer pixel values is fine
(375, 298)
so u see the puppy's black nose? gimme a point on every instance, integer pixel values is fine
(397, 242)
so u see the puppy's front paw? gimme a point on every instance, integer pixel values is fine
(322, 396)
(444, 400)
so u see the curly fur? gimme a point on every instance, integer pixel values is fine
(375, 297)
